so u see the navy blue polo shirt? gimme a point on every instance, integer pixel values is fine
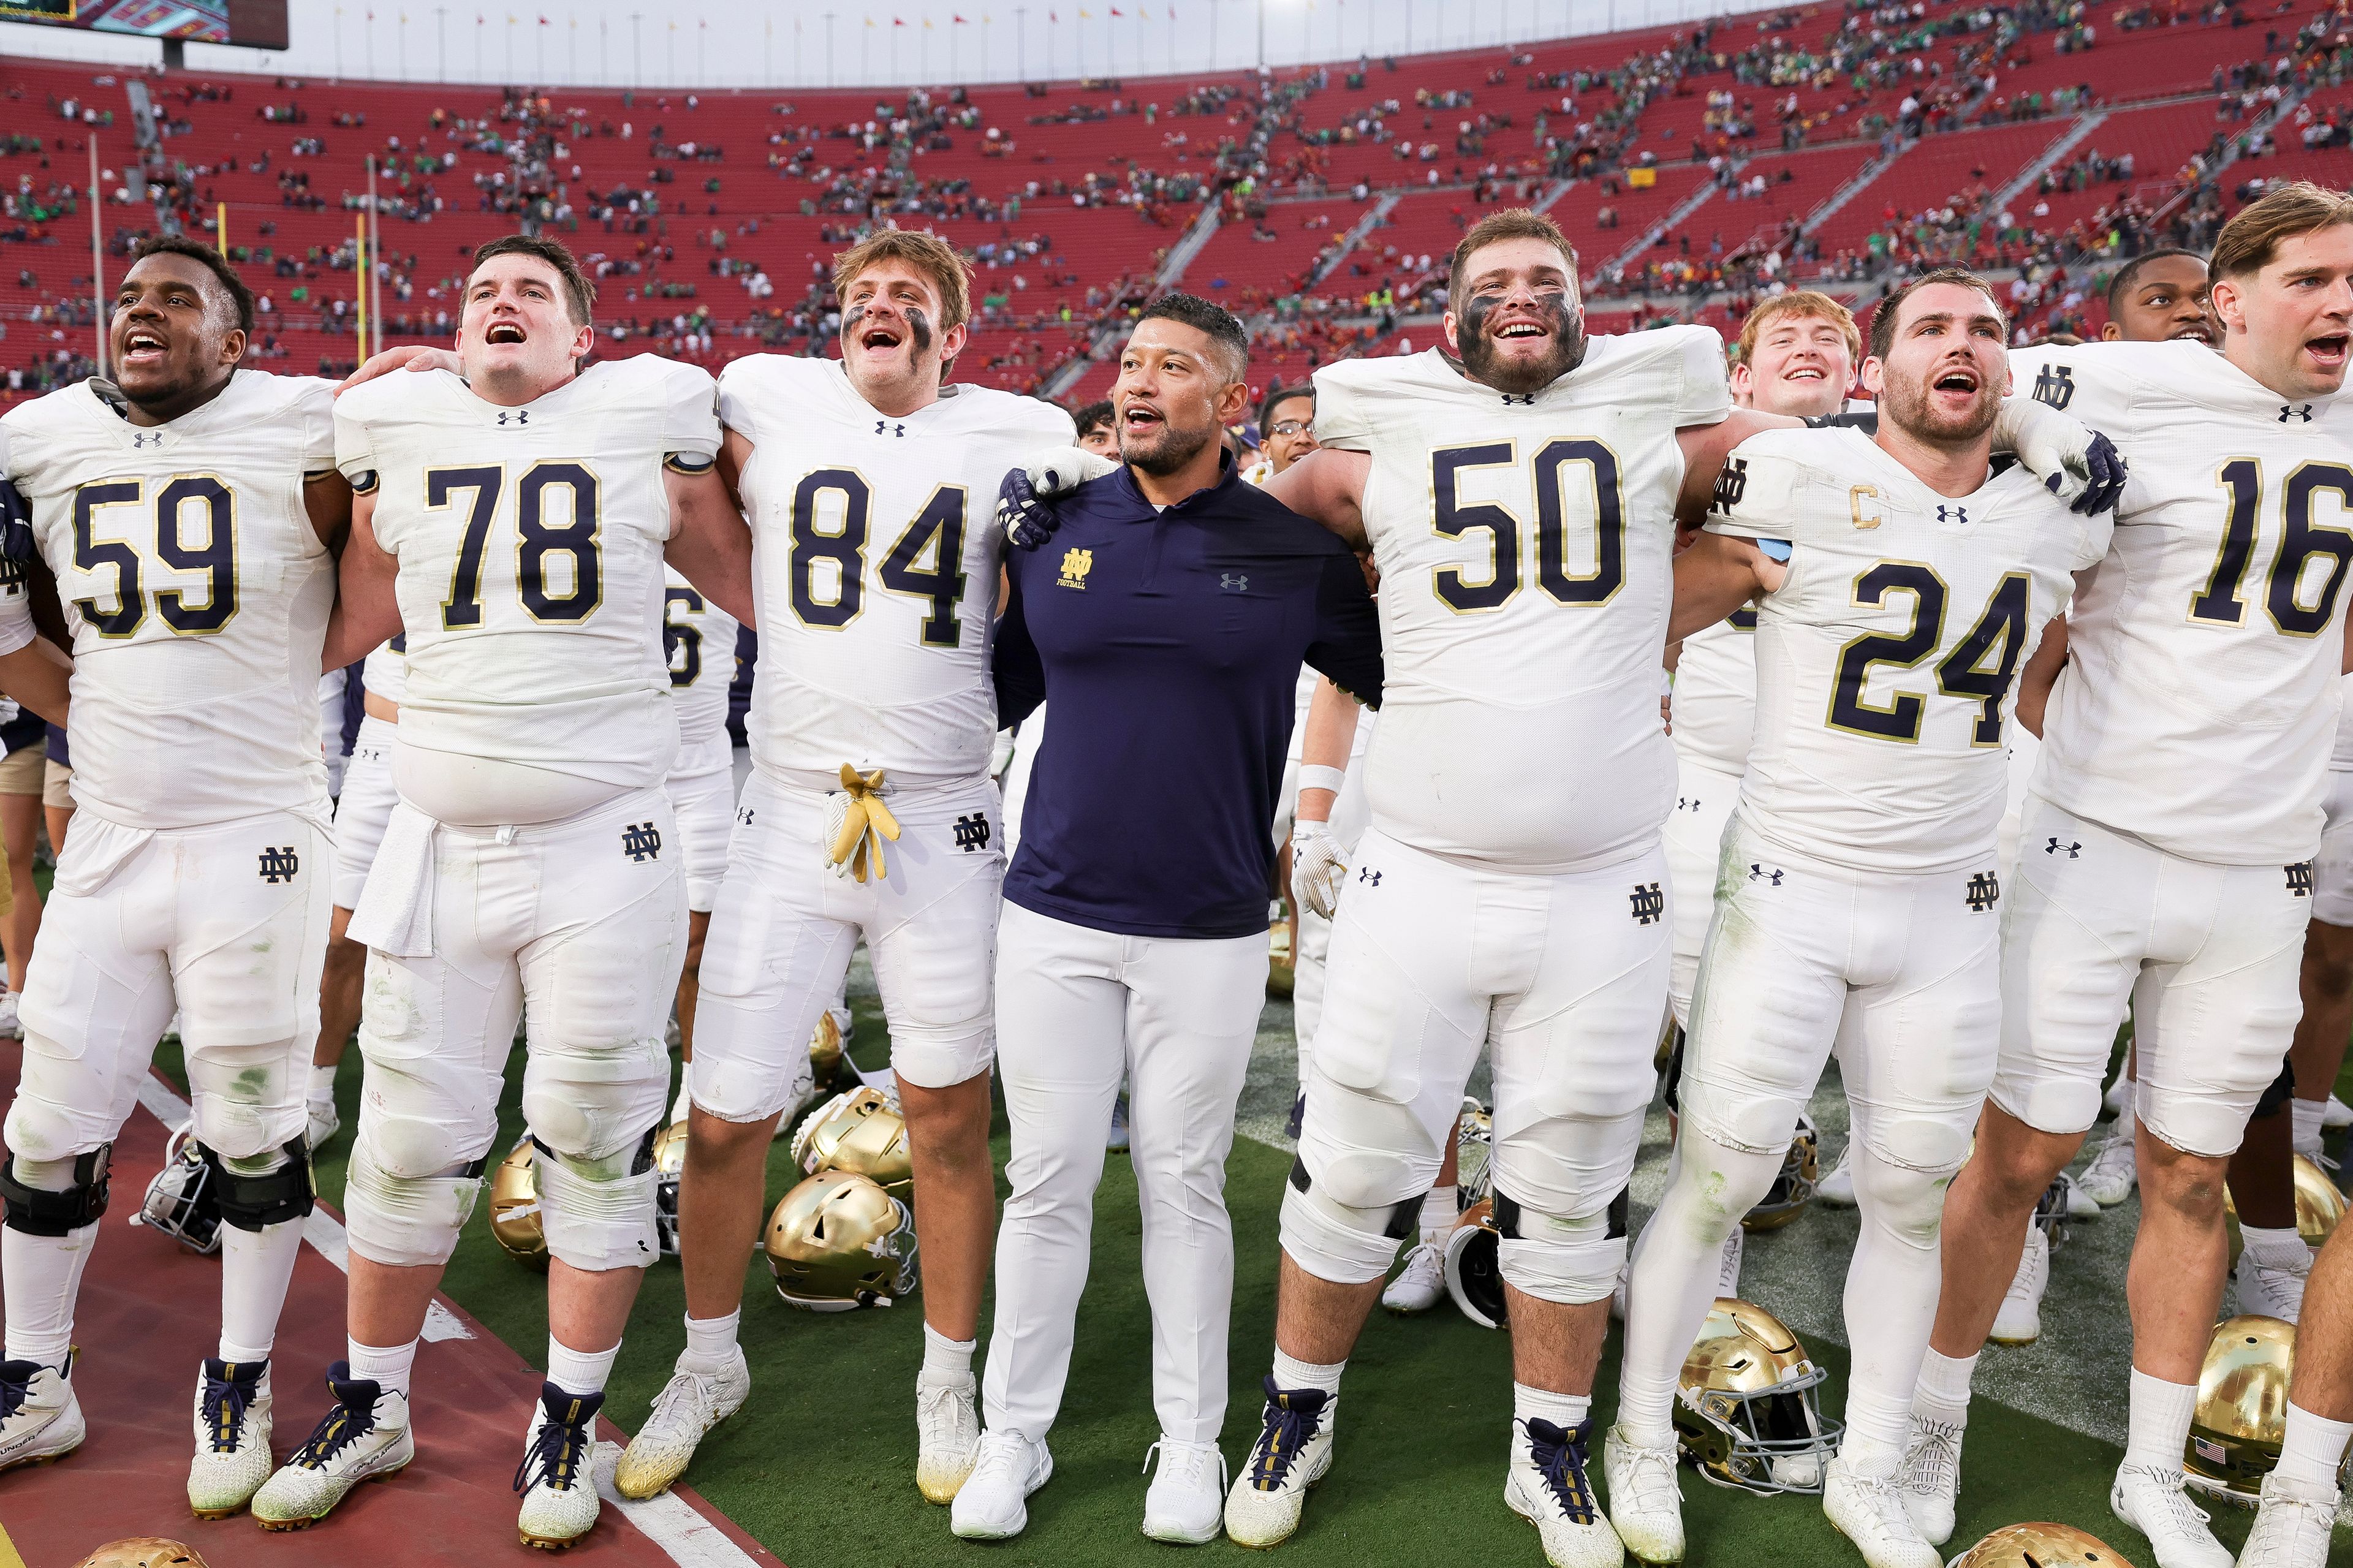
(1169, 645)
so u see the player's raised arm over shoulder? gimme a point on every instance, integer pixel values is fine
(1328, 485)
(1705, 446)
(710, 543)
(367, 610)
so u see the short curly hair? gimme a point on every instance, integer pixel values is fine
(240, 298)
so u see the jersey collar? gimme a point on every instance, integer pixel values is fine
(1228, 480)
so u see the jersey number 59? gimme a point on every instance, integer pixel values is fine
(213, 553)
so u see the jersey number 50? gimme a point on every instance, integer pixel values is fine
(1450, 518)
(214, 554)
(538, 538)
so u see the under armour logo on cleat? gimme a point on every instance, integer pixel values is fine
(1959, 514)
(2299, 879)
(884, 427)
(280, 864)
(2073, 851)
(2289, 411)
(972, 832)
(1761, 873)
(640, 841)
(1649, 903)
(1985, 891)
(1366, 875)
(2056, 387)
(521, 416)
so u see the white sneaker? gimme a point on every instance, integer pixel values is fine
(323, 1123)
(993, 1502)
(1871, 1513)
(2112, 1100)
(690, 1404)
(364, 1437)
(1421, 1283)
(558, 1477)
(2291, 1527)
(1646, 1503)
(1727, 1265)
(2271, 1279)
(1929, 1479)
(2109, 1179)
(1547, 1486)
(2153, 1502)
(1837, 1189)
(11, 1027)
(1293, 1451)
(40, 1419)
(948, 1434)
(2335, 1114)
(232, 1456)
(2081, 1205)
(2019, 1321)
(1185, 1504)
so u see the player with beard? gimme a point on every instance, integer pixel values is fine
(190, 512)
(1858, 873)
(870, 812)
(2174, 813)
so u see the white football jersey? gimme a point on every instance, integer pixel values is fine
(530, 542)
(875, 548)
(196, 593)
(2341, 759)
(2197, 709)
(700, 639)
(1887, 660)
(385, 672)
(1715, 693)
(1524, 544)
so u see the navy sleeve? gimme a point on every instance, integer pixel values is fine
(354, 704)
(1347, 644)
(1019, 673)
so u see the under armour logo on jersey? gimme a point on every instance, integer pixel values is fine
(1232, 582)
(2299, 879)
(2073, 851)
(1687, 802)
(280, 864)
(521, 416)
(640, 841)
(884, 427)
(1731, 483)
(1649, 903)
(1959, 514)
(2056, 387)
(1368, 875)
(2289, 411)
(1758, 872)
(141, 438)
(972, 832)
(743, 817)
(1524, 399)
(1985, 891)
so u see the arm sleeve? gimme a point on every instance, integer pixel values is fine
(689, 416)
(1341, 419)
(1703, 393)
(314, 405)
(1347, 644)
(355, 442)
(1019, 673)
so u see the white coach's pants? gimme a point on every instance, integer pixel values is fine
(1076, 1007)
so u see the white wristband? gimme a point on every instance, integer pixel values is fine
(1316, 776)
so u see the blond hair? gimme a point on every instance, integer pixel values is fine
(1806, 304)
(925, 252)
(2250, 241)
(1511, 222)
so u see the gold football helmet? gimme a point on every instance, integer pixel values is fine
(1282, 971)
(2241, 1410)
(856, 1130)
(1745, 1407)
(669, 1163)
(2320, 1207)
(1474, 1275)
(825, 1050)
(514, 1207)
(1474, 1149)
(144, 1551)
(2039, 1546)
(838, 1242)
(1793, 1189)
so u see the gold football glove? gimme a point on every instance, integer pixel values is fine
(855, 824)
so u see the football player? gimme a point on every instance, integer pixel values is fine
(190, 512)
(2300, 1495)
(2166, 854)
(700, 639)
(513, 524)
(1858, 871)
(362, 809)
(2161, 296)
(870, 812)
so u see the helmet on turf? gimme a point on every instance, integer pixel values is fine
(838, 1241)
(180, 1201)
(2241, 1412)
(514, 1207)
(1793, 1189)
(2051, 1211)
(1474, 1152)
(2041, 1546)
(1474, 1275)
(825, 1059)
(144, 1551)
(856, 1130)
(1745, 1406)
(669, 1161)
(2320, 1207)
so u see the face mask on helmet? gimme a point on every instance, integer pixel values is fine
(2050, 1212)
(856, 1130)
(670, 1164)
(1473, 1153)
(1793, 1189)
(1745, 1411)
(838, 1242)
(180, 1201)
(514, 1207)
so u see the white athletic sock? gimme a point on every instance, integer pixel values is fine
(1291, 1374)
(2124, 1127)
(40, 1275)
(579, 1372)
(946, 1360)
(1438, 1212)
(322, 1083)
(710, 1342)
(2263, 1244)
(2307, 1114)
(1563, 1410)
(2312, 1449)
(1943, 1393)
(2158, 1424)
(386, 1366)
(256, 1268)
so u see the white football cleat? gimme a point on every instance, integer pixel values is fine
(2019, 1321)
(2153, 1502)
(1871, 1513)
(1646, 1504)
(1837, 1189)
(557, 1476)
(1292, 1452)
(2291, 1527)
(948, 1434)
(40, 1419)
(1929, 1479)
(363, 1437)
(1185, 1504)
(993, 1502)
(690, 1404)
(2335, 1114)
(2109, 1179)
(1421, 1283)
(232, 1456)
(1728, 1263)
(2271, 1279)
(13, 1028)
(1548, 1487)
(2081, 1205)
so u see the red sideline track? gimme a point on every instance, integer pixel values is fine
(150, 1311)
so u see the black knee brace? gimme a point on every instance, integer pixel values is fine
(250, 1203)
(2275, 1098)
(1403, 1220)
(33, 1211)
(1507, 1214)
